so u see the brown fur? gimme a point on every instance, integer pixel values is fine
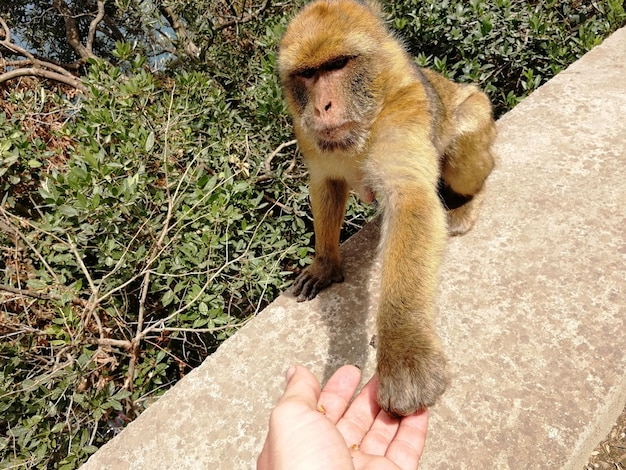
(367, 118)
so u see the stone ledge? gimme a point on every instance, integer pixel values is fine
(531, 310)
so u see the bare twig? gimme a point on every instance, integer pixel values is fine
(40, 295)
(19, 328)
(92, 304)
(136, 342)
(161, 323)
(215, 329)
(244, 18)
(41, 68)
(268, 161)
(289, 210)
(94, 24)
(8, 229)
(6, 216)
(181, 31)
(83, 268)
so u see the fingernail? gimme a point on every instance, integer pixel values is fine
(290, 372)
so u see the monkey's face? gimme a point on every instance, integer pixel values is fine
(329, 74)
(331, 103)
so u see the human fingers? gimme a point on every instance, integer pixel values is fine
(360, 415)
(302, 386)
(338, 392)
(407, 446)
(380, 434)
(299, 398)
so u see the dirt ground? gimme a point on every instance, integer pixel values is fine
(611, 452)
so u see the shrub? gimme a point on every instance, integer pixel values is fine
(509, 47)
(152, 243)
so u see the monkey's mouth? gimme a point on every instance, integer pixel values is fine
(341, 137)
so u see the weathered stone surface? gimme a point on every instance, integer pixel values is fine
(531, 310)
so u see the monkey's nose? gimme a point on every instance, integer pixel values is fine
(327, 107)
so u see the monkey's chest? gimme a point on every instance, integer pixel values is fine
(357, 182)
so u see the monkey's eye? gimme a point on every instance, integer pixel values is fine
(337, 64)
(307, 73)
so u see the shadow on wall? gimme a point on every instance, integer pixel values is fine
(347, 316)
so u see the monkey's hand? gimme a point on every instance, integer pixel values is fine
(411, 374)
(316, 277)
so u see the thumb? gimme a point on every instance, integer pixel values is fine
(302, 386)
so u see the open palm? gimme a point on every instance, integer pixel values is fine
(311, 428)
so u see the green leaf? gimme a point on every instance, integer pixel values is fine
(167, 298)
(121, 395)
(150, 141)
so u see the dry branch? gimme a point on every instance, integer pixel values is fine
(40, 68)
(72, 33)
(94, 24)
(40, 295)
(37, 72)
(268, 161)
(181, 31)
(243, 18)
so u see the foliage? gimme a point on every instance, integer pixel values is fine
(142, 222)
(509, 47)
(152, 238)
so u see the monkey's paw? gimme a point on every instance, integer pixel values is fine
(411, 381)
(315, 278)
(462, 219)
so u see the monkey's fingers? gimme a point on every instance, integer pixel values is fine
(410, 381)
(309, 283)
(307, 287)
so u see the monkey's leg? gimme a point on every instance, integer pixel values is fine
(468, 161)
(411, 363)
(328, 202)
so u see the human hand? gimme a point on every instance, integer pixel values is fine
(312, 428)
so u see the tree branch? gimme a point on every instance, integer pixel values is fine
(40, 295)
(244, 18)
(71, 30)
(94, 24)
(181, 31)
(114, 31)
(39, 69)
(268, 161)
(32, 71)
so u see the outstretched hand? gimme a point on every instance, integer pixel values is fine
(311, 428)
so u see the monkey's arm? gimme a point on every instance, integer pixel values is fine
(328, 203)
(411, 364)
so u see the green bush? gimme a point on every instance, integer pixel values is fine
(143, 223)
(508, 47)
(153, 241)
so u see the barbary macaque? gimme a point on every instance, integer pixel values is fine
(368, 119)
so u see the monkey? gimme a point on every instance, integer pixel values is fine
(368, 119)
